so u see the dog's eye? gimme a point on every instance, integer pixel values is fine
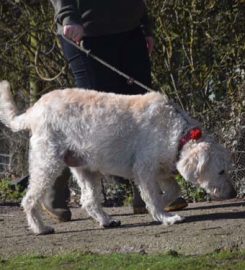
(221, 172)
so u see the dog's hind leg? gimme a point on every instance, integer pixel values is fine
(147, 180)
(91, 196)
(44, 169)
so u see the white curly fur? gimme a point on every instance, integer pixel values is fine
(95, 133)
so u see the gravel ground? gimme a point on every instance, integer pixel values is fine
(208, 227)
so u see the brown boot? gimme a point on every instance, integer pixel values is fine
(139, 204)
(55, 200)
(178, 204)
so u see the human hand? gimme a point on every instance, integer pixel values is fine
(149, 44)
(74, 32)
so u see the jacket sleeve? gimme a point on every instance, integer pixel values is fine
(147, 22)
(66, 12)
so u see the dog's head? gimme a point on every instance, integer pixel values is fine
(206, 164)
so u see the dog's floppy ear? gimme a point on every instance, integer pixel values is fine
(193, 160)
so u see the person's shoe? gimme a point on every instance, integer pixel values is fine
(178, 204)
(55, 201)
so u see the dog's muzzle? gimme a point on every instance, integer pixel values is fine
(217, 196)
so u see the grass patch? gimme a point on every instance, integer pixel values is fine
(77, 261)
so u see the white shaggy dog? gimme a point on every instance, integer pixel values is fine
(140, 137)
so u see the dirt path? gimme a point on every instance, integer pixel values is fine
(208, 227)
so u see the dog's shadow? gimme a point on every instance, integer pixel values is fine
(188, 219)
(213, 206)
(201, 217)
(234, 214)
(215, 216)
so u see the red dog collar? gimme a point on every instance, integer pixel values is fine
(193, 134)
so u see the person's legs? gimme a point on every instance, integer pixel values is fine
(135, 61)
(125, 51)
(106, 48)
(55, 201)
(88, 74)
(80, 65)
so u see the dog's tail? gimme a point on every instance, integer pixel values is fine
(8, 110)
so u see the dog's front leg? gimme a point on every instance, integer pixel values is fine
(90, 184)
(151, 193)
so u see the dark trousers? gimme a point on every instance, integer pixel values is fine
(125, 51)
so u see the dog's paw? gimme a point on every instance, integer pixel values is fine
(170, 220)
(113, 224)
(46, 230)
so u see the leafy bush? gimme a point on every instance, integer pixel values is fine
(198, 62)
(191, 193)
(9, 192)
